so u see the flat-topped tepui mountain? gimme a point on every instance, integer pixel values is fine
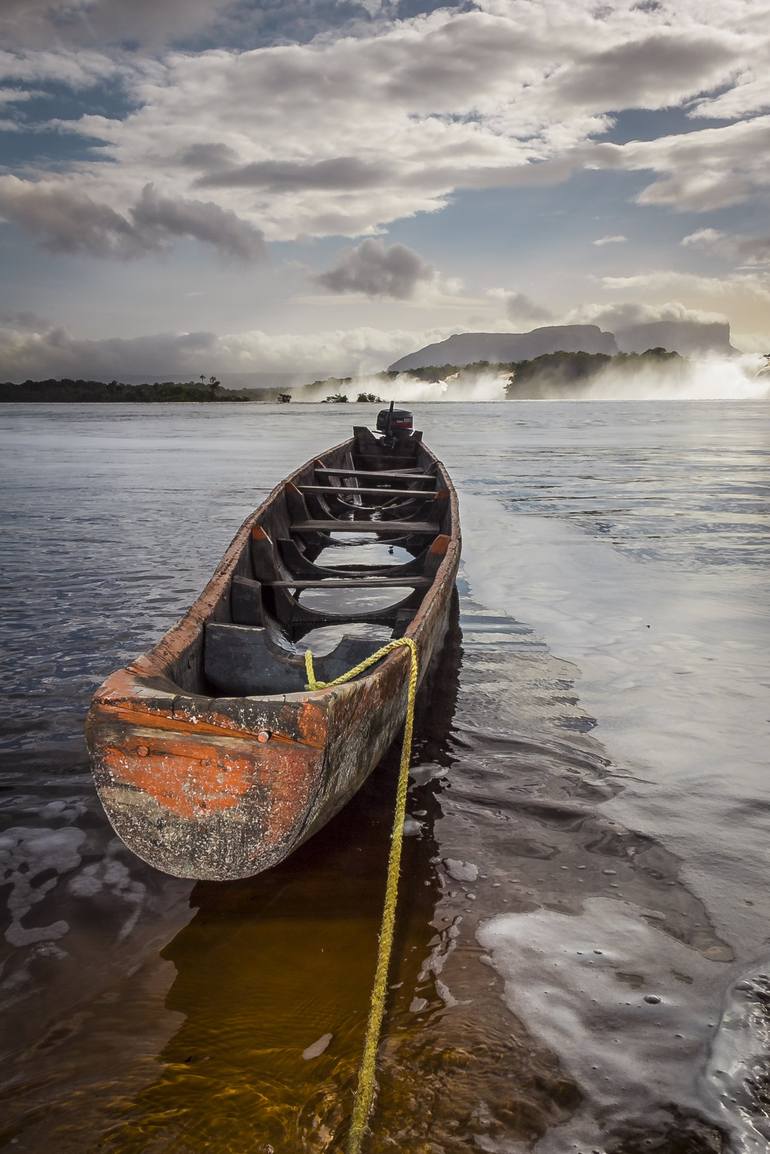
(688, 338)
(685, 337)
(502, 348)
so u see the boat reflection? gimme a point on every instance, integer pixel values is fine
(274, 964)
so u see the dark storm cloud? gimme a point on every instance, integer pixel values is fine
(207, 156)
(378, 271)
(339, 172)
(520, 307)
(71, 221)
(41, 349)
(153, 23)
(45, 23)
(651, 72)
(45, 350)
(202, 220)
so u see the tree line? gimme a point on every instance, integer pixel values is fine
(205, 389)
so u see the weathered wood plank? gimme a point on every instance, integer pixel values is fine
(406, 475)
(354, 583)
(339, 490)
(400, 527)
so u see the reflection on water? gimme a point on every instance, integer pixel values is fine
(558, 979)
(269, 966)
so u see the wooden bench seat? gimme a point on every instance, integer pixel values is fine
(400, 527)
(353, 583)
(347, 491)
(375, 473)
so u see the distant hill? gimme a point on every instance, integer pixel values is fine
(683, 337)
(687, 338)
(498, 348)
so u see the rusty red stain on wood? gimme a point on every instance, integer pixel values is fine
(183, 776)
(189, 779)
(223, 727)
(312, 723)
(127, 698)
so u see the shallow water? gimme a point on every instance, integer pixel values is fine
(583, 951)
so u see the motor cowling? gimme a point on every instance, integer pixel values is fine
(394, 421)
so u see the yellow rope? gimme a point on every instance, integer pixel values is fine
(364, 1097)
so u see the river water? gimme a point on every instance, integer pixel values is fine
(583, 953)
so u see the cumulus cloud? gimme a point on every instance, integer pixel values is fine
(626, 314)
(736, 247)
(667, 279)
(520, 308)
(345, 134)
(157, 216)
(602, 240)
(698, 171)
(378, 270)
(43, 22)
(29, 348)
(338, 173)
(702, 238)
(749, 94)
(68, 221)
(151, 24)
(650, 72)
(71, 221)
(743, 297)
(56, 66)
(15, 95)
(638, 326)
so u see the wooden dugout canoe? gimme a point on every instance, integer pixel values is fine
(210, 756)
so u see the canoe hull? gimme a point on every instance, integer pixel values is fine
(224, 788)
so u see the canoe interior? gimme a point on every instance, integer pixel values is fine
(339, 557)
(211, 757)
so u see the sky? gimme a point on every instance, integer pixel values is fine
(314, 186)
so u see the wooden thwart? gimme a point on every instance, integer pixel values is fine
(353, 583)
(377, 473)
(340, 491)
(401, 527)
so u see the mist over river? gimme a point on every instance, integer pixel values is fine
(583, 955)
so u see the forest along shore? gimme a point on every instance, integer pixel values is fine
(552, 376)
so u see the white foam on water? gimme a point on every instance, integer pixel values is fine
(461, 871)
(739, 1068)
(489, 386)
(706, 378)
(318, 1047)
(618, 1000)
(111, 875)
(25, 854)
(697, 378)
(674, 667)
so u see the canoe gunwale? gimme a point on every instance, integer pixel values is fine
(154, 665)
(222, 787)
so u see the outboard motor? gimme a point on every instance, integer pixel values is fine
(397, 439)
(395, 425)
(394, 421)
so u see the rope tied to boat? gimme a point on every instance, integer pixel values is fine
(364, 1095)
